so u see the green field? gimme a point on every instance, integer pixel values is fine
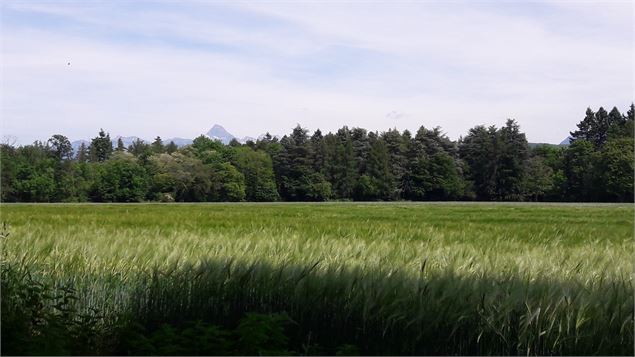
(393, 278)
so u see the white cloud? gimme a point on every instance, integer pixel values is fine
(154, 71)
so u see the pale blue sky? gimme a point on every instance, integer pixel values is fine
(174, 68)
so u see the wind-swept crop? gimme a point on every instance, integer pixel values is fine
(372, 278)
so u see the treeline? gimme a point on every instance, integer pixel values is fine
(489, 163)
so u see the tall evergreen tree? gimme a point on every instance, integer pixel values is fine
(157, 146)
(488, 164)
(479, 151)
(378, 169)
(318, 151)
(595, 126)
(342, 171)
(601, 131)
(585, 127)
(513, 153)
(361, 149)
(621, 125)
(294, 166)
(397, 147)
(100, 147)
(140, 150)
(578, 170)
(417, 175)
(120, 146)
(171, 147)
(614, 171)
(629, 123)
(82, 153)
(539, 179)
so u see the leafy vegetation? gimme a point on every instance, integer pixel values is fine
(331, 278)
(488, 164)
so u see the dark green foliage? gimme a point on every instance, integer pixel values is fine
(512, 154)
(598, 127)
(479, 151)
(397, 146)
(120, 146)
(82, 153)
(615, 170)
(318, 188)
(171, 147)
(379, 171)
(8, 172)
(228, 183)
(157, 146)
(100, 147)
(347, 350)
(294, 170)
(60, 147)
(445, 182)
(543, 159)
(578, 169)
(257, 168)
(202, 146)
(340, 163)
(201, 311)
(417, 174)
(30, 173)
(120, 179)
(195, 338)
(263, 335)
(496, 161)
(177, 177)
(318, 152)
(376, 180)
(489, 163)
(432, 172)
(141, 151)
(38, 319)
(539, 179)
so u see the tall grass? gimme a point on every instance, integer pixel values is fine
(387, 278)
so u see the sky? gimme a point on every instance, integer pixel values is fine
(175, 68)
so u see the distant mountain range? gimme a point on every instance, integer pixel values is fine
(217, 132)
(564, 142)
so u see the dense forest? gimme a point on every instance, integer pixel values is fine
(487, 164)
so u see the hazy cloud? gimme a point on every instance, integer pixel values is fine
(174, 69)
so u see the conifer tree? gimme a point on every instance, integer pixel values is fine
(100, 147)
(120, 146)
(157, 145)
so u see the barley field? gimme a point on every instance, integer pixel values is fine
(343, 278)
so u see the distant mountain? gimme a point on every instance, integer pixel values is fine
(535, 145)
(217, 132)
(246, 139)
(77, 143)
(178, 141)
(127, 140)
(564, 142)
(262, 136)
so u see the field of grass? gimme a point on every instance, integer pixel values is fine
(393, 278)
